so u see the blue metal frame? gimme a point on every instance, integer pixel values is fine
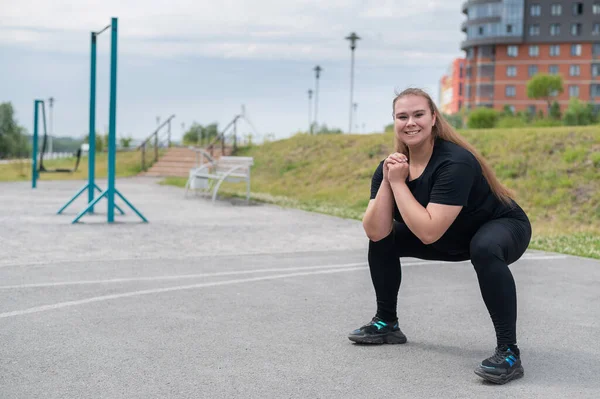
(112, 142)
(91, 185)
(34, 152)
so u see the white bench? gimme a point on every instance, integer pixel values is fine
(208, 177)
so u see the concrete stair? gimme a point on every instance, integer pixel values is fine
(177, 162)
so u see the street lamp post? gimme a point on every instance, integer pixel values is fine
(310, 92)
(353, 37)
(317, 70)
(355, 106)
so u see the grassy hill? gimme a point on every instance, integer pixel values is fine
(554, 171)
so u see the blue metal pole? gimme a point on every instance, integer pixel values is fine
(92, 127)
(112, 143)
(34, 150)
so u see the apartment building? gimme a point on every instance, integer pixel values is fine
(452, 87)
(509, 41)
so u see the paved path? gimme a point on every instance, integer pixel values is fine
(236, 301)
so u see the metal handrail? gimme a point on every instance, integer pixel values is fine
(222, 137)
(159, 140)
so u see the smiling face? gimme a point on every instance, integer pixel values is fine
(413, 120)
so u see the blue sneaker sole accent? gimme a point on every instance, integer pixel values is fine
(502, 378)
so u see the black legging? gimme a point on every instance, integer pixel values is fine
(497, 244)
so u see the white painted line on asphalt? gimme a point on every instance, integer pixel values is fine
(230, 273)
(201, 275)
(7, 264)
(61, 305)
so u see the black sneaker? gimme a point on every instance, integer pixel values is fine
(378, 332)
(503, 366)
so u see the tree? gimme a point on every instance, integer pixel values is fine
(200, 135)
(545, 87)
(13, 142)
(125, 141)
(323, 129)
(99, 139)
(555, 111)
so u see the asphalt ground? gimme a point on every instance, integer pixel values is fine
(255, 301)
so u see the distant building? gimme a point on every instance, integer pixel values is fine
(452, 87)
(509, 41)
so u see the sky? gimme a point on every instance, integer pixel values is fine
(202, 60)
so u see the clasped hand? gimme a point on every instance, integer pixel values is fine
(395, 168)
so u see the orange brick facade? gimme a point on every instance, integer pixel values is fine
(493, 73)
(452, 86)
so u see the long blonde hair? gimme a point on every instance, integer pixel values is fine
(445, 131)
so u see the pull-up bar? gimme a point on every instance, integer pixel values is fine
(112, 146)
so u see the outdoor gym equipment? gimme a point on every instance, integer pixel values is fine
(90, 187)
(34, 155)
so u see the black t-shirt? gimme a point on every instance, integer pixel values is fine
(453, 176)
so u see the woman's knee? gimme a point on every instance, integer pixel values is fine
(484, 253)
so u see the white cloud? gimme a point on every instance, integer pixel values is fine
(266, 29)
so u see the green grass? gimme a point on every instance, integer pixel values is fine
(554, 171)
(127, 164)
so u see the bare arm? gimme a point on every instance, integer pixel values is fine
(378, 218)
(428, 224)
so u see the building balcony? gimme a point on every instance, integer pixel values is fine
(491, 40)
(465, 5)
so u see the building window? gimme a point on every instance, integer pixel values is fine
(576, 50)
(554, 50)
(556, 9)
(574, 91)
(594, 90)
(576, 29)
(596, 29)
(577, 8)
(553, 69)
(481, 30)
(533, 70)
(534, 51)
(574, 70)
(511, 71)
(512, 51)
(511, 91)
(596, 8)
(534, 30)
(460, 90)
(536, 10)
(509, 28)
(595, 70)
(596, 49)
(531, 109)
(554, 29)
(470, 53)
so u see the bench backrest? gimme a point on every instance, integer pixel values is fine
(225, 163)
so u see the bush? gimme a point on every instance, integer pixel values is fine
(579, 113)
(483, 118)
